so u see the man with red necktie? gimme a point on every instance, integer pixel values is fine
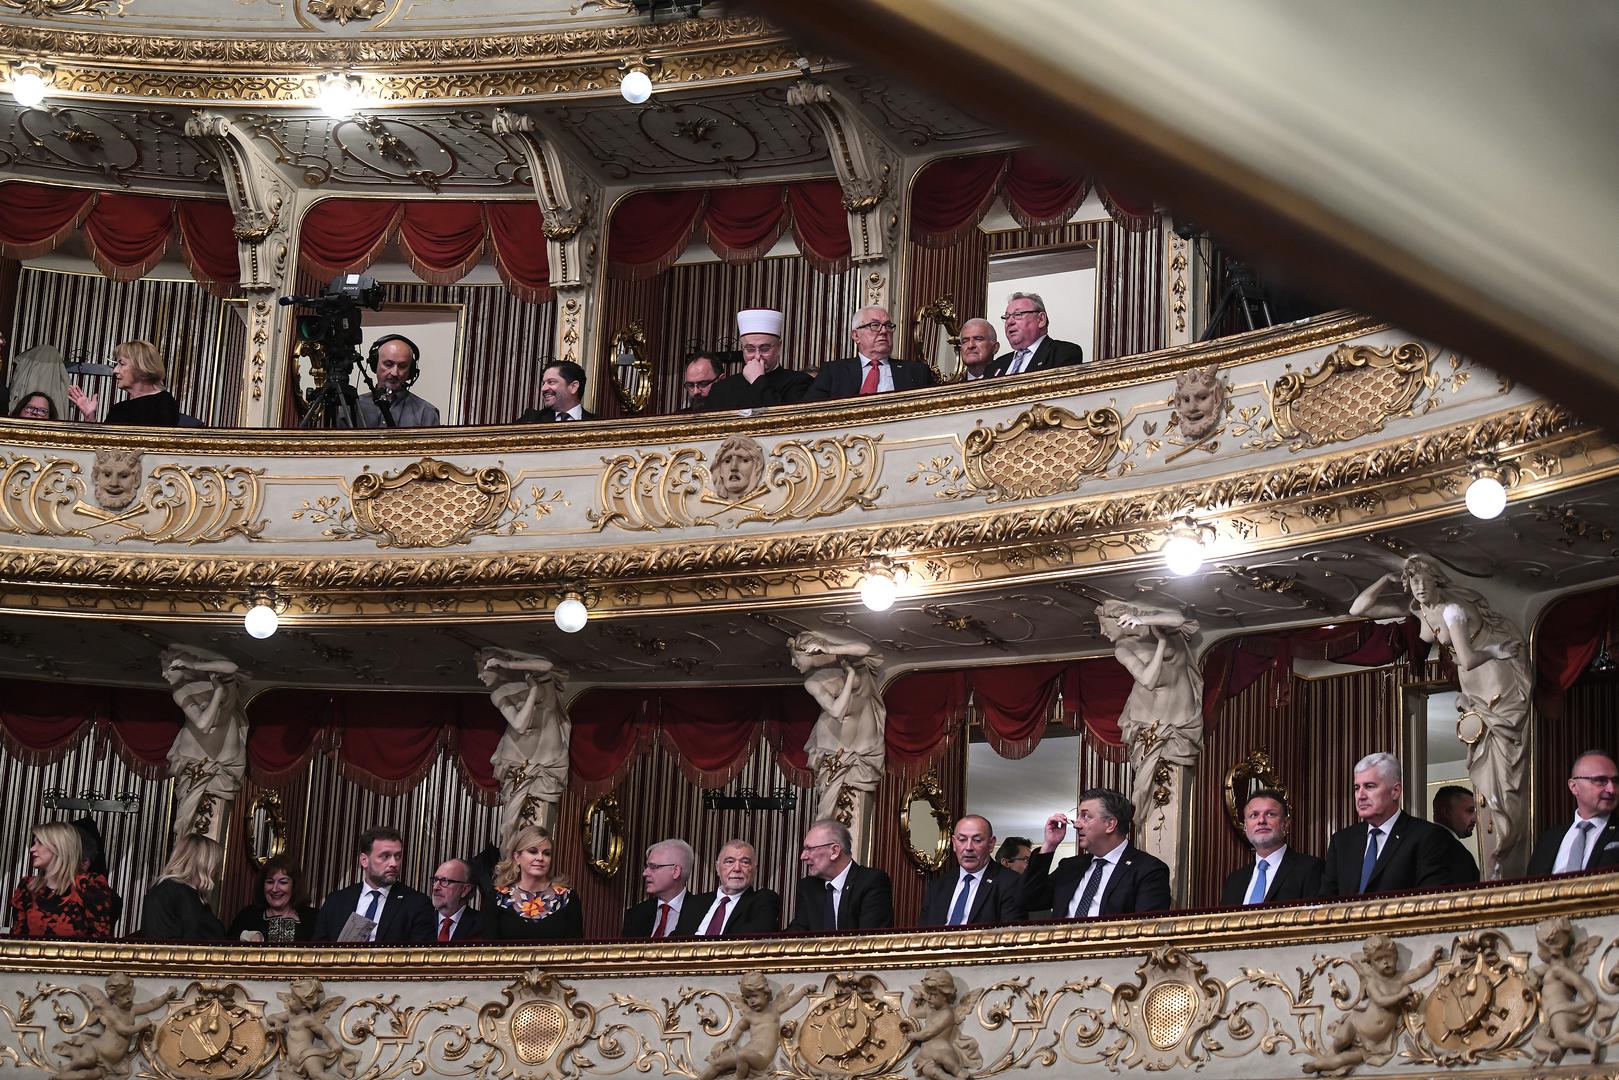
(736, 907)
(669, 909)
(451, 887)
(874, 370)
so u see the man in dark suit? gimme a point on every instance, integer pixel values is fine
(839, 893)
(1456, 810)
(762, 381)
(668, 910)
(1591, 841)
(1026, 325)
(1110, 875)
(562, 388)
(874, 370)
(1287, 874)
(981, 891)
(452, 886)
(400, 913)
(736, 907)
(1387, 850)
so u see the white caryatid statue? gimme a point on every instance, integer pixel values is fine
(1492, 669)
(1162, 722)
(209, 756)
(846, 748)
(531, 760)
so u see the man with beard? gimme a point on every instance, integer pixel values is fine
(762, 380)
(398, 912)
(562, 389)
(394, 359)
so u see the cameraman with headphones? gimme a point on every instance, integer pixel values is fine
(395, 361)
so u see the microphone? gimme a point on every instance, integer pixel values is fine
(288, 301)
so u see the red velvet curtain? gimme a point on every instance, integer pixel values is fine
(1568, 636)
(742, 223)
(950, 196)
(713, 731)
(208, 244)
(35, 219)
(610, 728)
(442, 241)
(517, 231)
(126, 235)
(821, 224)
(649, 230)
(1041, 195)
(344, 236)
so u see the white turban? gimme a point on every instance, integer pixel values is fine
(759, 321)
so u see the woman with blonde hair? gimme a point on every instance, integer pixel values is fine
(60, 900)
(176, 907)
(529, 901)
(137, 369)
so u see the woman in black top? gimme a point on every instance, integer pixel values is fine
(280, 915)
(176, 907)
(528, 901)
(137, 368)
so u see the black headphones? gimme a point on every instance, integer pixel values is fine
(415, 356)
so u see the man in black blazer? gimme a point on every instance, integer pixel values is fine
(452, 886)
(1287, 874)
(1110, 875)
(562, 388)
(839, 893)
(1591, 841)
(1026, 325)
(981, 891)
(762, 382)
(874, 370)
(1411, 853)
(669, 910)
(736, 907)
(401, 913)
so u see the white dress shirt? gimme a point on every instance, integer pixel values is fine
(365, 902)
(708, 916)
(673, 920)
(885, 383)
(1567, 845)
(1110, 863)
(1273, 866)
(837, 884)
(972, 891)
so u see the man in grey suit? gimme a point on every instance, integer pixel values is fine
(981, 891)
(1032, 350)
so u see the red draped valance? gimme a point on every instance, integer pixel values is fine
(951, 196)
(649, 230)
(1570, 633)
(442, 240)
(125, 235)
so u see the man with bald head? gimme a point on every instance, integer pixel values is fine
(1591, 841)
(452, 888)
(978, 345)
(981, 892)
(762, 380)
(736, 907)
(874, 370)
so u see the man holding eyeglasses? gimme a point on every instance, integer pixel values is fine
(839, 893)
(1592, 841)
(667, 910)
(762, 380)
(452, 885)
(874, 370)
(702, 373)
(1026, 325)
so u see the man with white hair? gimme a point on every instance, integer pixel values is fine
(978, 345)
(667, 910)
(875, 370)
(1032, 350)
(762, 380)
(1387, 849)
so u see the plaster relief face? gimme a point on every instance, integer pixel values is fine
(116, 478)
(1199, 402)
(738, 465)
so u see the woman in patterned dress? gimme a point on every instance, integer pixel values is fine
(529, 901)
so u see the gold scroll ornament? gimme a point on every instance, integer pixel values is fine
(1354, 392)
(430, 503)
(1045, 451)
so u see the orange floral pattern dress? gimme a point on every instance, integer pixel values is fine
(87, 910)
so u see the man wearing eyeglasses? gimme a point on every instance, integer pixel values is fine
(839, 893)
(668, 910)
(1026, 325)
(874, 370)
(1592, 840)
(452, 885)
(703, 372)
(762, 381)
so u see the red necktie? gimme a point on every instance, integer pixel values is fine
(716, 925)
(663, 919)
(873, 373)
(444, 929)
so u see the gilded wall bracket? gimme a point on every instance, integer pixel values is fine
(1045, 451)
(1355, 392)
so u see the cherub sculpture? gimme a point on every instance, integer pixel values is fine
(942, 1051)
(1369, 1031)
(209, 756)
(313, 1052)
(105, 1054)
(846, 747)
(531, 760)
(758, 1017)
(1568, 1001)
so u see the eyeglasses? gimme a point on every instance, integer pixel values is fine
(876, 327)
(700, 383)
(1018, 858)
(1599, 781)
(449, 881)
(1010, 315)
(812, 847)
(36, 412)
(660, 865)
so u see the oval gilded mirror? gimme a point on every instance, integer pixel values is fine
(631, 369)
(604, 835)
(936, 338)
(924, 823)
(1247, 776)
(264, 825)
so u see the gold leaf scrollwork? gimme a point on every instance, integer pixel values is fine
(1241, 778)
(1045, 451)
(855, 1028)
(537, 1027)
(37, 9)
(429, 503)
(1481, 1005)
(795, 481)
(341, 11)
(1357, 389)
(1167, 1010)
(216, 1031)
(185, 505)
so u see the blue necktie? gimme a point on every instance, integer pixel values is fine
(371, 908)
(1370, 860)
(958, 913)
(1256, 895)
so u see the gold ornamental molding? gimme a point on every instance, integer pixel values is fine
(1044, 451)
(1354, 392)
(38, 9)
(429, 503)
(1380, 487)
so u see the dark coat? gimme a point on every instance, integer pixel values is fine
(548, 415)
(867, 903)
(757, 911)
(778, 386)
(1299, 878)
(173, 911)
(1139, 883)
(470, 928)
(641, 919)
(1051, 354)
(1602, 851)
(842, 378)
(1417, 855)
(998, 901)
(407, 915)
